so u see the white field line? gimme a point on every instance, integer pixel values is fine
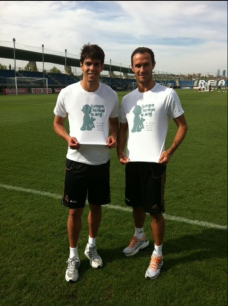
(52, 103)
(127, 209)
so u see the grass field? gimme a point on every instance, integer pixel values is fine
(34, 244)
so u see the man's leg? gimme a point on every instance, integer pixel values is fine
(156, 261)
(139, 216)
(74, 226)
(133, 196)
(155, 196)
(138, 240)
(94, 220)
(158, 228)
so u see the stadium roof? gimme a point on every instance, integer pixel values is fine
(24, 55)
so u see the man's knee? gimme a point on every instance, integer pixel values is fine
(95, 208)
(75, 213)
(157, 217)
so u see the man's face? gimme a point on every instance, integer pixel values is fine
(91, 69)
(142, 67)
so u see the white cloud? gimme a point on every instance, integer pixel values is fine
(180, 33)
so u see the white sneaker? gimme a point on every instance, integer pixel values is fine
(72, 269)
(135, 245)
(155, 265)
(95, 259)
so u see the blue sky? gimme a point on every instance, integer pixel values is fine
(186, 36)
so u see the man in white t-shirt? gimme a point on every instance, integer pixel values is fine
(145, 114)
(92, 111)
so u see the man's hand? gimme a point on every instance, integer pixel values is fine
(164, 158)
(123, 159)
(73, 143)
(111, 142)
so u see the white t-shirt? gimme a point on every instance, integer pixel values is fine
(147, 115)
(88, 115)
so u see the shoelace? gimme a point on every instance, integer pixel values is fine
(133, 241)
(93, 253)
(73, 264)
(154, 262)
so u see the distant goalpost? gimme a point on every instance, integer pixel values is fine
(38, 85)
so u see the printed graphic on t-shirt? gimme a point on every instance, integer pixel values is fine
(143, 114)
(138, 121)
(88, 120)
(91, 111)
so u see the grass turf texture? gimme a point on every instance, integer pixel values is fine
(34, 245)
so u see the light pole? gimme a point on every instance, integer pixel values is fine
(14, 41)
(65, 66)
(43, 58)
(110, 71)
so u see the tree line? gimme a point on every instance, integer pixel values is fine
(27, 68)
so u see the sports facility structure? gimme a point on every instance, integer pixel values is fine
(21, 85)
(119, 78)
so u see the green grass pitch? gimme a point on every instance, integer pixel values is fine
(34, 244)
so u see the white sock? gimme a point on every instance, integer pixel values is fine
(92, 241)
(73, 252)
(158, 249)
(139, 232)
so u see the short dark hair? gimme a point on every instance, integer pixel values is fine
(142, 50)
(93, 52)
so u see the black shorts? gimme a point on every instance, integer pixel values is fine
(145, 186)
(82, 180)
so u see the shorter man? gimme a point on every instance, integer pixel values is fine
(145, 114)
(92, 111)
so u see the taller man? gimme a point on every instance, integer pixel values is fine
(145, 113)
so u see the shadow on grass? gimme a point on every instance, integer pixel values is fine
(209, 243)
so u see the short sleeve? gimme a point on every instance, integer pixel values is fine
(115, 110)
(123, 118)
(175, 108)
(60, 109)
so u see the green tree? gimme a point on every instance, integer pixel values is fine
(27, 68)
(55, 70)
(3, 67)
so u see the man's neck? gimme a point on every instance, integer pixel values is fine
(146, 87)
(90, 87)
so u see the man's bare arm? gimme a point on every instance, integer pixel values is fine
(179, 137)
(121, 141)
(113, 131)
(61, 132)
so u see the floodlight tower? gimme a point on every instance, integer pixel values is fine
(65, 66)
(110, 72)
(43, 58)
(14, 41)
